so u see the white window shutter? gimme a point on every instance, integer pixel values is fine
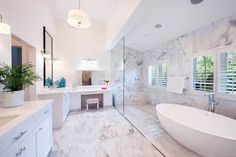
(228, 72)
(158, 75)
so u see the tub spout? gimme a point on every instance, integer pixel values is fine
(211, 102)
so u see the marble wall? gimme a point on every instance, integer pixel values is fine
(134, 90)
(178, 54)
(131, 78)
(127, 76)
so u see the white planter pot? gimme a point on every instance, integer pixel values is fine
(13, 99)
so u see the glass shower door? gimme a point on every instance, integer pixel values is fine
(117, 76)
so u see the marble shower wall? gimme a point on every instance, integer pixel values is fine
(134, 92)
(178, 55)
(127, 78)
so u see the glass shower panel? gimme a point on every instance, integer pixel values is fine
(117, 76)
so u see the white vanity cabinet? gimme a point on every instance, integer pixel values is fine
(31, 137)
(27, 148)
(10, 152)
(107, 98)
(75, 101)
(60, 107)
(44, 137)
(66, 105)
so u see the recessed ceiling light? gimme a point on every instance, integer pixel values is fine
(158, 26)
(196, 1)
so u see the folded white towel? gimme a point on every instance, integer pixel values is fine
(176, 84)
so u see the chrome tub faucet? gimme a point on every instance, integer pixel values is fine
(211, 102)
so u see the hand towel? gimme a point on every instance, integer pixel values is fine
(176, 84)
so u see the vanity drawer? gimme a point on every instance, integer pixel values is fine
(24, 128)
(17, 134)
(44, 113)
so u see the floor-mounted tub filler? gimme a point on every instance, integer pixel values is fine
(206, 133)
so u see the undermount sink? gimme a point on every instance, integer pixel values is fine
(4, 120)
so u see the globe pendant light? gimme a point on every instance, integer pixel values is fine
(4, 28)
(78, 18)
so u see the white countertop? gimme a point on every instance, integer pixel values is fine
(71, 90)
(22, 113)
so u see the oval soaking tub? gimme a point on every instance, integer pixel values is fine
(206, 133)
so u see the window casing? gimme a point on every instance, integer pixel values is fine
(203, 73)
(158, 75)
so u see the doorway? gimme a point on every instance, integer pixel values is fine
(21, 53)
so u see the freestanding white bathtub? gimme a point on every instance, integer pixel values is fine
(206, 133)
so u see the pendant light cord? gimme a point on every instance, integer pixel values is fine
(0, 18)
(79, 4)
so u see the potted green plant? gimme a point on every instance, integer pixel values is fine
(15, 80)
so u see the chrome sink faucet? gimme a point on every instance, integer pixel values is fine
(211, 102)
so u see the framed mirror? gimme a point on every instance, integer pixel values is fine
(90, 78)
(47, 58)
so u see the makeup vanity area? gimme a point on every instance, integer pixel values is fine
(90, 85)
(69, 99)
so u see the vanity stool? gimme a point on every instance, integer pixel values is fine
(92, 101)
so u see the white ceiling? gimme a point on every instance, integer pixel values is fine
(98, 10)
(177, 17)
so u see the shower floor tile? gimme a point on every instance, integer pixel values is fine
(144, 118)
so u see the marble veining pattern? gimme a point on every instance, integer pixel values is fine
(178, 54)
(144, 118)
(103, 133)
(133, 80)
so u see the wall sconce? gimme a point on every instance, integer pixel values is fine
(89, 62)
(4, 28)
(45, 54)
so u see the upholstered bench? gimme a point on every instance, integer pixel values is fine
(92, 101)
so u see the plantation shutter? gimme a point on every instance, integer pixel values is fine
(162, 75)
(153, 75)
(228, 72)
(158, 75)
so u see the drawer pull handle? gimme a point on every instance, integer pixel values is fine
(40, 129)
(19, 136)
(20, 152)
(46, 112)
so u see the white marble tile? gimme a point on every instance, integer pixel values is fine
(132, 70)
(144, 118)
(134, 145)
(99, 134)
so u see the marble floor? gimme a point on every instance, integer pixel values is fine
(103, 133)
(144, 118)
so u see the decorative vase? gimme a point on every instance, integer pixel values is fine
(12, 99)
(106, 82)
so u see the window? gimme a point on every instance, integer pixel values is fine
(228, 72)
(158, 75)
(203, 73)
